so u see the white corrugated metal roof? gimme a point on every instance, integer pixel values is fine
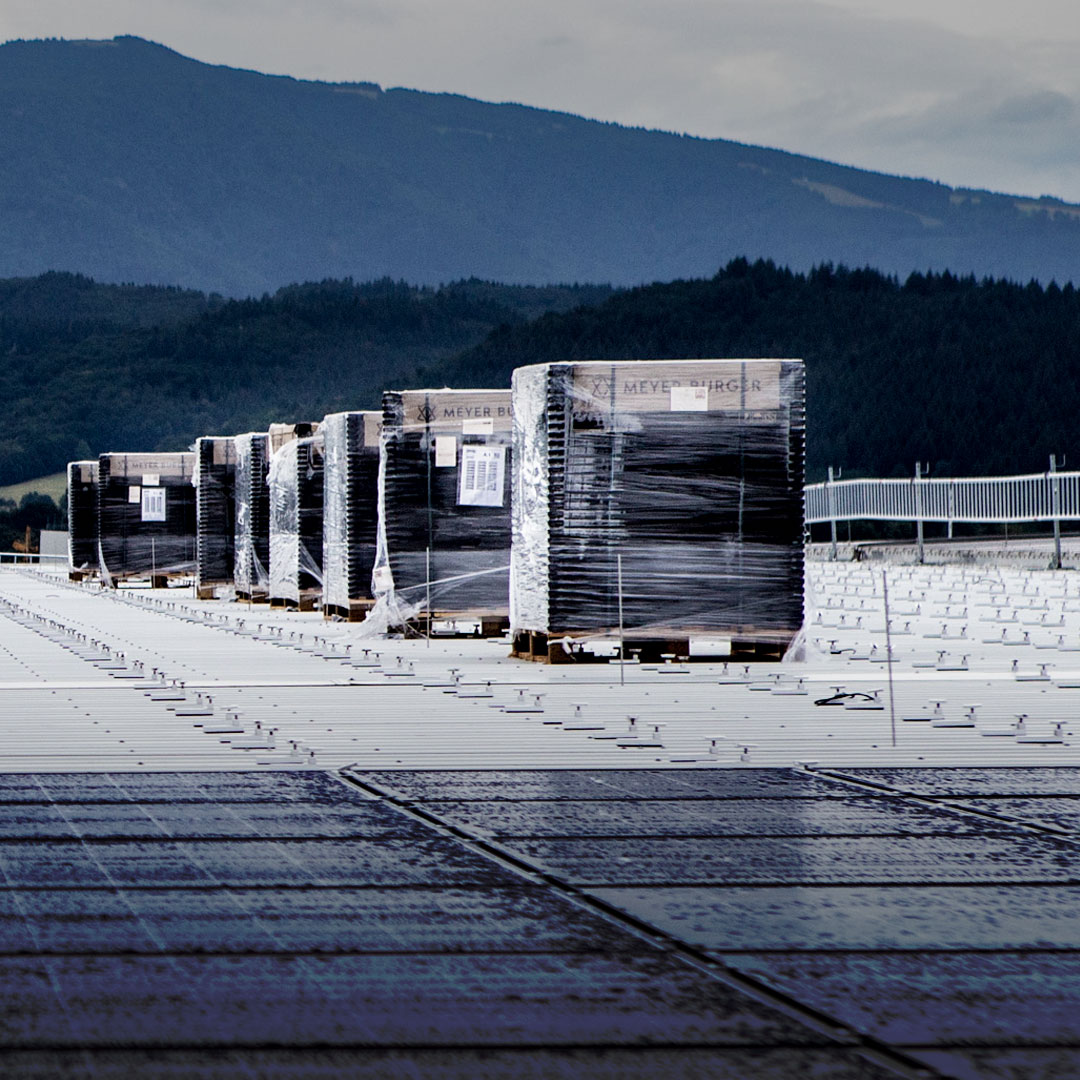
(962, 636)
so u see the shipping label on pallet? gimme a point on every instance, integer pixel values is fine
(445, 451)
(483, 470)
(153, 504)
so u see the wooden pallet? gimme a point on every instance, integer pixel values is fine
(156, 581)
(650, 647)
(491, 623)
(308, 601)
(355, 612)
(253, 597)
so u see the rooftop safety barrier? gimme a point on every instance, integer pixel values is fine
(1003, 500)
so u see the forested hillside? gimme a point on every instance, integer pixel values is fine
(89, 368)
(972, 377)
(128, 162)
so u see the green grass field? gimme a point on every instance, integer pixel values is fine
(54, 486)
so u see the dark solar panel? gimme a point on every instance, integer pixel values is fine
(728, 923)
(290, 925)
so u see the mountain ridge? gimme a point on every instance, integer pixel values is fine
(129, 162)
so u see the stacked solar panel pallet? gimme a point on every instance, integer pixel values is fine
(660, 497)
(350, 511)
(296, 515)
(446, 497)
(146, 515)
(251, 567)
(82, 518)
(215, 464)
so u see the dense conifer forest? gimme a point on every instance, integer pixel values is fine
(973, 377)
(89, 368)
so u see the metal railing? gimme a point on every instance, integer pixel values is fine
(986, 500)
(7, 557)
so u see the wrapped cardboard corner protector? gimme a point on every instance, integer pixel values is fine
(215, 503)
(350, 505)
(690, 470)
(146, 514)
(444, 490)
(82, 515)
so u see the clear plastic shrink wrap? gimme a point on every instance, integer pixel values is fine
(215, 504)
(691, 470)
(146, 514)
(295, 480)
(444, 488)
(251, 569)
(350, 505)
(82, 493)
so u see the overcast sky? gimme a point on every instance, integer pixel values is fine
(978, 93)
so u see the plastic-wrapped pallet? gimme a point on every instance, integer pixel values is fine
(82, 515)
(296, 514)
(215, 484)
(444, 491)
(251, 566)
(691, 471)
(146, 515)
(350, 509)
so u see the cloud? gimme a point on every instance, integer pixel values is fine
(896, 94)
(1040, 107)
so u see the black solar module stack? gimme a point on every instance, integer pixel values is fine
(82, 515)
(446, 490)
(690, 471)
(296, 513)
(215, 458)
(251, 570)
(146, 514)
(350, 508)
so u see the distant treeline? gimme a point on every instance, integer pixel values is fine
(973, 377)
(34, 512)
(90, 368)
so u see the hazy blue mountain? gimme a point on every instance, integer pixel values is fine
(128, 162)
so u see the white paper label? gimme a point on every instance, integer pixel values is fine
(134, 494)
(382, 579)
(482, 472)
(153, 504)
(445, 451)
(689, 399)
(151, 479)
(710, 646)
(483, 426)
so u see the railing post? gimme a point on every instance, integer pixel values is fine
(831, 502)
(919, 509)
(952, 506)
(1055, 509)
